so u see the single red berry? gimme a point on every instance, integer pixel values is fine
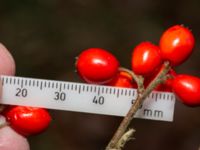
(146, 58)
(176, 44)
(123, 79)
(27, 120)
(187, 89)
(97, 65)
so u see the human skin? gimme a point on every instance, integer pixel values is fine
(9, 139)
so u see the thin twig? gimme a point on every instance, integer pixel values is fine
(160, 78)
(139, 100)
(137, 78)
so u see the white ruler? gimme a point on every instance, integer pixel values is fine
(80, 97)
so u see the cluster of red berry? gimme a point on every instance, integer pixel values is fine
(98, 66)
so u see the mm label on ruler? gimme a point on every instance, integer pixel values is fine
(87, 98)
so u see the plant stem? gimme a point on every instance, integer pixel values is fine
(137, 78)
(160, 78)
(141, 96)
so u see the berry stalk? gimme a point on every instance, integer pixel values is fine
(121, 136)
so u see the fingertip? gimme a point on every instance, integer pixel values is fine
(7, 63)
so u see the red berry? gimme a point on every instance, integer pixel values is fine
(123, 79)
(176, 44)
(146, 58)
(28, 120)
(187, 89)
(96, 65)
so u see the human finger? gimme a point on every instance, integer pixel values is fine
(7, 63)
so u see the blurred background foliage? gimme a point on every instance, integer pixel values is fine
(45, 36)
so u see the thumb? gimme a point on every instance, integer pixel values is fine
(7, 63)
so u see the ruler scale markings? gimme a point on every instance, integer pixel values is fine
(41, 85)
(33, 96)
(17, 81)
(98, 92)
(133, 93)
(156, 96)
(68, 86)
(2, 81)
(49, 84)
(114, 90)
(117, 93)
(6, 80)
(72, 87)
(102, 90)
(164, 96)
(60, 87)
(33, 83)
(87, 88)
(64, 86)
(110, 90)
(122, 91)
(107, 88)
(167, 96)
(45, 84)
(152, 95)
(25, 82)
(29, 83)
(91, 88)
(56, 85)
(37, 83)
(22, 83)
(83, 89)
(160, 96)
(125, 92)
(79, 88)
(129, 93)
(10, 80)
(52, 84)
(95, 89)
(172, 97)
(76, 87)
(14, 81)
